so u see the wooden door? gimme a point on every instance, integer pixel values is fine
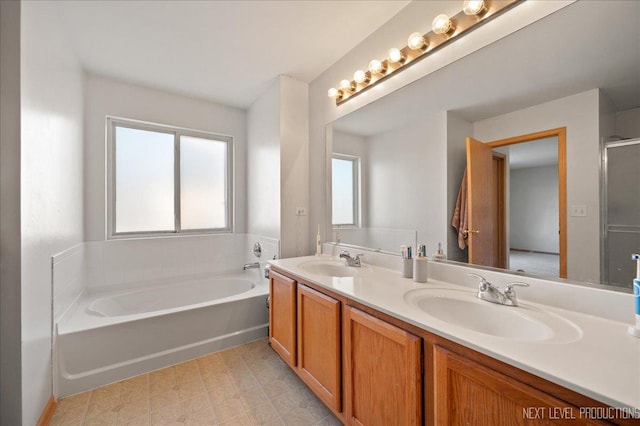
(468, 393)
(282, 316)
(383, 382)
(319, 348)
(482, 208)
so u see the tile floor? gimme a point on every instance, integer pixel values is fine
(245, 385)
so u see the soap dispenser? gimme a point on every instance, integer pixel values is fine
(439, 255)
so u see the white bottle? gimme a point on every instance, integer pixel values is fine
(318, 242)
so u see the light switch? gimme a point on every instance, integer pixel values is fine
(579, 210)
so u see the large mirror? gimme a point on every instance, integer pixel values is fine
(398, 163)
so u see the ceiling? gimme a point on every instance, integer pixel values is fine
(567, 52)
(224, 51)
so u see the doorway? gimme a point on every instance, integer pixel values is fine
(524, 219)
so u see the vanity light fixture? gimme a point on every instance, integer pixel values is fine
(377, 67)
(473, 7)
(347, 86)
(444, 30)
(417, 41)
(395, 55)
(361, 77)
(334, 93)
(442, 25)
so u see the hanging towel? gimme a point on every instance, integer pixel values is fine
(460, 218)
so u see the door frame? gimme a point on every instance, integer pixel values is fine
(500, 170)
(561, 134)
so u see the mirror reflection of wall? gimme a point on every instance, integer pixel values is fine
(402, 193)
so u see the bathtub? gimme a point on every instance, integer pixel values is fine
(107, 337)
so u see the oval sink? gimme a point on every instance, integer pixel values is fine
(461, 308)
(330, 268)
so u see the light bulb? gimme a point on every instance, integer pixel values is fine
(361, 77)
(442, 24)
(333, 93)
(395, 55)
(473, 7)
(416, 41)
(377, 67)
(346, 85)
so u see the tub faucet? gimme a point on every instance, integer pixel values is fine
(351, 261)
(254, 265)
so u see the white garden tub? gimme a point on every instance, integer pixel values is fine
(111, 336)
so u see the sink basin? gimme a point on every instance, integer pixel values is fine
(329, 268)
(461, 308)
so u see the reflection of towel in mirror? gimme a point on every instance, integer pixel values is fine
(459, 220)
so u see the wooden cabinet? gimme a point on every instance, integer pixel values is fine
(383, 378)
(366, 366)
(319, 348)
(468, 393)
(282, 316)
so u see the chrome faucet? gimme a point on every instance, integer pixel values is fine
(254, 265)
(351, 261)
(491, 293)
(510, 293)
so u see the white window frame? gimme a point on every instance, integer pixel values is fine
(177, 132)
(357, 196)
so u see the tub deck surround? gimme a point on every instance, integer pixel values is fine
(99, 341)
(601, 361)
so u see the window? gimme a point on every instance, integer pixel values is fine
(165, 180)
(345, 189)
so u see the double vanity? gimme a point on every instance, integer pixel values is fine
(377, 348)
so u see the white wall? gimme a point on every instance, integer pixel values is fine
(10, 340)
(294, 166)
(533, 205)
(52, 167)
(457, 132)
(263, 164)
(406, 167)
(580, 114)
(109, 97)
(627, 123)
(278, 177)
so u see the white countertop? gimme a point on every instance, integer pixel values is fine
(602, 362)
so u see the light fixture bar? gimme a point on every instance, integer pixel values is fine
(462, 23)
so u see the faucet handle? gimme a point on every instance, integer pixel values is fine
(510, 286)
(483, 282)
(510, 294)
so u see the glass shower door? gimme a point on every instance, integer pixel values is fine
(620, 211)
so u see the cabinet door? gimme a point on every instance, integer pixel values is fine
(467, 393)
(383, 383)
(319, 346)
(282, 316)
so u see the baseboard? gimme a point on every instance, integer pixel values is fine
(534, 251)
(47, 413)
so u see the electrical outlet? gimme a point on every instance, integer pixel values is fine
(579, 210)
(301, 211)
